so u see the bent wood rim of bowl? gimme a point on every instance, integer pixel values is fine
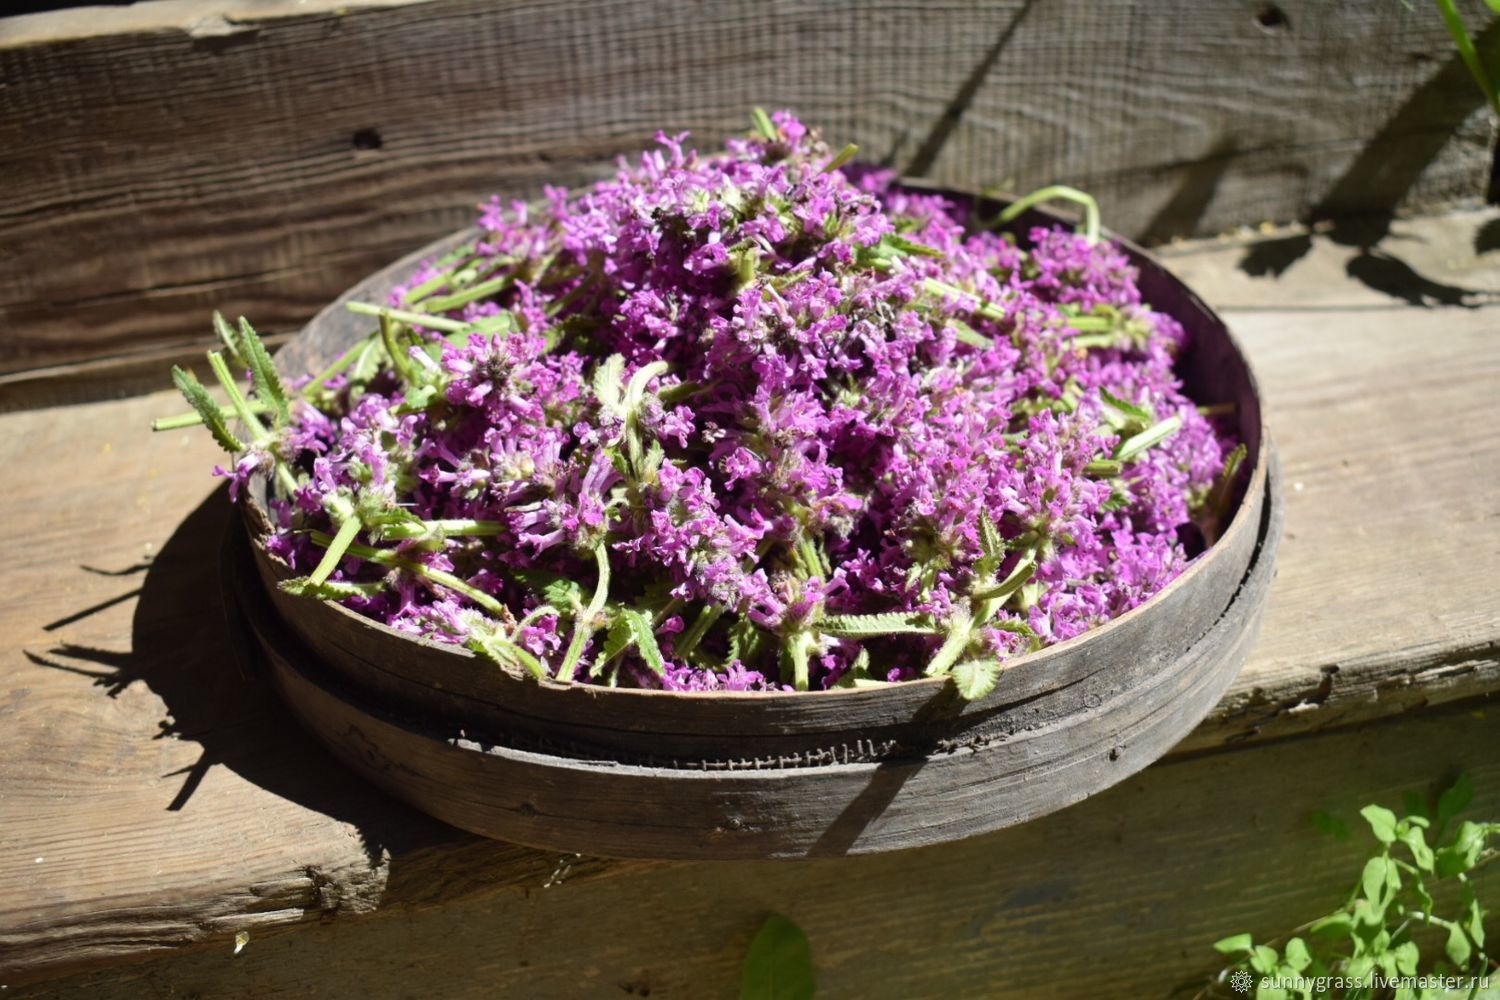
(259, 523)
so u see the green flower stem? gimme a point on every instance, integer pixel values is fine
(689, 640)
(433, 529)
(960, 631)
(399, 359)
(480, 291)
(337, 546)
(586, 623)
(408, 317)
(432, 574)
(1091, 226)
(343, 361)
(1094, 340)
(182, 420)
(237, 400)
(1089, 324)
(1151, 436)
(986, 309)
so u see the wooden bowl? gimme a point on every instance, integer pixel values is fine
(634, 773)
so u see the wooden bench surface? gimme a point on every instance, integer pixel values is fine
(153, 803)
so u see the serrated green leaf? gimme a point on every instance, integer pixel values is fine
(268, 387)
(1143, 415)
(203, 404)
(608, 378)
(1382, 822)
(552, 588)
(779, 964)
(645, 640)
(329, 590)
(231, 344)
(902, 244)
(1235, 944)
(866, 626)
(616, 641)
(991, 542)
(975, 678)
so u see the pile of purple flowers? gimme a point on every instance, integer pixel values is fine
(748, 421)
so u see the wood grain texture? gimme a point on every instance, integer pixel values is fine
(258, 159)
(1119, 896)
(173, 803)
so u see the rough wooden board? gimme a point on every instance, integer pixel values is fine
(208, 155)
(275, 833)
(1119, 896)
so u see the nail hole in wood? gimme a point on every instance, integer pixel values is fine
(367, 138)
(1272, 19)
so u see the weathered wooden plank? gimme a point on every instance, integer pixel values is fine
(200, 154)
(1121, 896)
(173, 803)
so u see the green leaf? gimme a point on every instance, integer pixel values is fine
(1373, 880)
(1455, 799)
(1143, 415)
(1458, 947)
(991, 542)
(268, 387)
(779, 964)
(203, 404)
(607, 383)
(1382, 821)
(329, 590)
(901, 244)
(1297, 955)
(1414, 840)
(552, 588)
(616, 641)
(976, 678)
(1407, 956)
(1235, 944)
(1463, 853)
(1474, 920)
(645, 639)
(1263, 959)
(865, 626)
(231, 342)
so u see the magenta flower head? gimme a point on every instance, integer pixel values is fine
(741, 421)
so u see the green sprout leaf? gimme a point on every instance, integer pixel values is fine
(1235, 944)
(1382, 821)
(763, 124)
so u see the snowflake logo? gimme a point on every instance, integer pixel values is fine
(1240, 981)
